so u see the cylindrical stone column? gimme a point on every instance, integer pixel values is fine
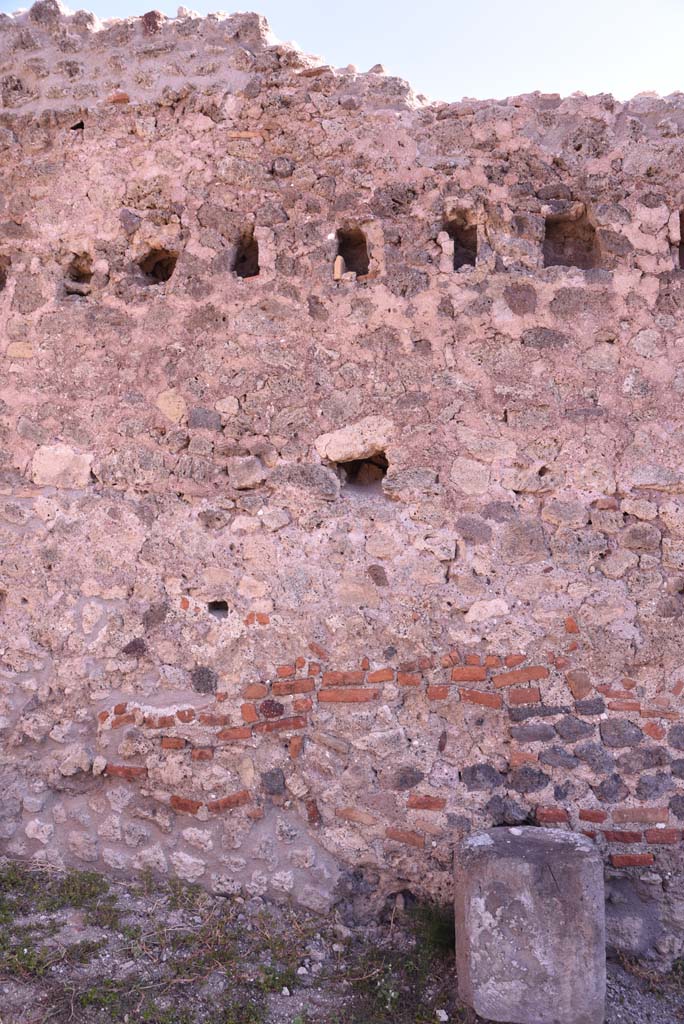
(530, 926)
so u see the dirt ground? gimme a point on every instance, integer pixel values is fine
(77, 948)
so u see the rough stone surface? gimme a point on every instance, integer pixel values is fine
(212, 647)
(530, 927)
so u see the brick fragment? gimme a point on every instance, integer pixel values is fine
(423, 802)
(227, 803)
(622, 837)
(349, 696)
(172, 743)
(255, 691)
(593, 814)
(469, 674)
(524, 695)
(354, 814)
(287, 689)
(521, 675)
(487, 700)
(238, 732)
(280, 724)
(632, 860)
(551, 815)
(202, 754)
(409, 679)
(663, 836)
(249, 713)
(343, 678)
(640, 815)
(183, 804)
(381, 675)
(511, 660)
(437, 692)
(125, 771)
(185, 715)
(400, 835)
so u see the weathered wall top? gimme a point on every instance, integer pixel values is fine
(341, 475)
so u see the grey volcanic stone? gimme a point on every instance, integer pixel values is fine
(530, 927)
(532, 732)
(558, 757)
(651, 787)
(611, 790)
(676, 737)
(527, 779)
(504, 811)
(572, 729)
(596, 756)
(619, 732)
(481, 776)
(642, 759)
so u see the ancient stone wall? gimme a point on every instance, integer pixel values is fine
(341, 468)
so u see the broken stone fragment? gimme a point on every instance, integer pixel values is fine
(172, 405)
(77, 759)
(356, 441)
(58, 465)
(245, 472)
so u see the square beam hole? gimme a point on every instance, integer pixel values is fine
(219, 609)
(464, 237)
(352, 247)
(158, 265)
(571, 243)
(364, 474)
(247, 256)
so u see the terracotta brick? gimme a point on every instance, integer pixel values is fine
(469, 674)
(655, 731)
(624, 705)
(128, 719)
(663, 836)
(263, 619)
(185, 714)
(313, 669)
(281, 724)
(172, 743)
(579, 683)
(551, 815)
(287, 689)
(487, 700)
(419, 802)
(125, 771)
(249, 712)
(181, 803)
(209, 718)
(162, 722)
(102, 717)
(593, 814)
(202, 754)
(473, 659)
(120, 709)
(518, 757)
(227, 803)
(295, 746)
(354, 814)
(640, 815)
(239, 732)
(255, 691)
(632, 860)
(365, 664)
(285, 671)
(400, 835)
(319, 651)
(492, 661)
(381, 675)
(352, 696)
(571, 625)
(409, 679)
(437, 692)
(524, 695)
(622, 837)
(511, 660)
(343, 678)
(521, 675)
(300, 662)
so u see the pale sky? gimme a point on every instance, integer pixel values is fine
(448, 49)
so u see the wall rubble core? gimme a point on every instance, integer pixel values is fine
(223, 655)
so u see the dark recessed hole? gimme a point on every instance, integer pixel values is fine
(247, 256)
(219, 609)
(158, 265)
(464, 237)
(364, 473)
(81, 268)
(353, 248)
(5, 263)
(79, 126)
(571, 243)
